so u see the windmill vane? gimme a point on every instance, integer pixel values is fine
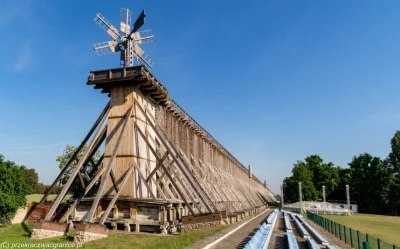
(125, 40)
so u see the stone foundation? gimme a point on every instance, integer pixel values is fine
(85, 232)
(199, 226)
(47, 229)
(201, 221)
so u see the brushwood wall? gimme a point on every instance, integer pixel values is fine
(183, 135)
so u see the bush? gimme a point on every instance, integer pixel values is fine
(13, 189)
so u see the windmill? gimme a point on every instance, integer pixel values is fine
(125, 40)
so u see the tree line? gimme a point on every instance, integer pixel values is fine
(16, 182)
(374, 182)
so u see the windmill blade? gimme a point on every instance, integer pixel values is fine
(145, 36)
(107, 26)
(139, 22)
(126, 21)
(139, 53)
(104, 48)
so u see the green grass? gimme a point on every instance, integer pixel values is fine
(18, 234)
(38, 197)
(385, 228)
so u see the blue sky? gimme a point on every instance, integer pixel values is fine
(273, 81)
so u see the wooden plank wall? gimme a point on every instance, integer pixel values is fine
(132, 145)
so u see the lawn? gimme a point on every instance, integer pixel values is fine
(38, 197)
(385, 228)
(18, 234)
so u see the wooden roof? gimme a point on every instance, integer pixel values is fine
(136, 75)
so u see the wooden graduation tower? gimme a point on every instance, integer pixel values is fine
(160, 171)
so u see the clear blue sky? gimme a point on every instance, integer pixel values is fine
(273, 81)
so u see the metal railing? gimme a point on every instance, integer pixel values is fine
(350, 236)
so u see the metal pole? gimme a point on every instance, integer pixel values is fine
(323, 193)
(348, 196)
(300, 198)
(283, 203)
(250, 176)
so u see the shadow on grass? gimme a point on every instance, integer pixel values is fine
(27, 230)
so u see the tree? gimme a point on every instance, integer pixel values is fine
(90, 169)
(13, 189)
(371, 181)
(339, 193)
(300, 173)
(392, 163)
(324, 174)
(278, 197)
(31, 178)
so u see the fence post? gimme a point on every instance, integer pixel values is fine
(366, 236)
(345, 237)
(379, 243)
(335, 224)
(358, 239)
(365, 245)
(340, 233)
(351, 238)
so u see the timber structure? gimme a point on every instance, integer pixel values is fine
(160, 171)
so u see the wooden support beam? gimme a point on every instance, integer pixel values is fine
(75, 154)
(214, 191)
(180, 181)
(222, 184)
(186, 161)
(114, 181)
(88, 188)
(157, 166)
(153, 195)
(162, 164)
(76, 170)
(177, 162)
(81, 180)
(178, 190)
(114, 199)
(109, 167)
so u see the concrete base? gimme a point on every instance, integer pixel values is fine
(48, 229)
(85, 232)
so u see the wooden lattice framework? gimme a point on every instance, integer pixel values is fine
(144, 168)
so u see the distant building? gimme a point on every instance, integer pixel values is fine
(343, 204)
